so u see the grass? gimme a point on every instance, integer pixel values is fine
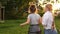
(12, 27)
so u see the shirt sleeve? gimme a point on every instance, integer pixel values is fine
(28, 17)
(52, 18)
(44, 20)
(39, 16)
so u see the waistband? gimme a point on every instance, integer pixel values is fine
(34, 25)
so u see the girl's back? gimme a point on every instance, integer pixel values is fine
(34, 18)
(34, 25)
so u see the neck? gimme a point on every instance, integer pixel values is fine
(49, 11)
(32, 13)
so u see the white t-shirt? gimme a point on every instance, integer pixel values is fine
(34, 18)
(47, 20)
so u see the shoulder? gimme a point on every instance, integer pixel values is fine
(29, 14)
(46, 15)
(37, 14)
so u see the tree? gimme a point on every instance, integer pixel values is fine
(16, 8)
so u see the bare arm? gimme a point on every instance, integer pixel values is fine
(40, 20)
(27, 22)
(53, 25)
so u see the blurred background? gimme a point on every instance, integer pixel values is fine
(16, 9)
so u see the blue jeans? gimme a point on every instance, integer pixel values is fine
(54, 32)
(49, 31)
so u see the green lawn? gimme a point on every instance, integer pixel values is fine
(12, 27)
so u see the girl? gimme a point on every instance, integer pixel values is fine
(48, 20)
(34, 20)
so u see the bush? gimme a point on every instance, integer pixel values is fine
(58, 15)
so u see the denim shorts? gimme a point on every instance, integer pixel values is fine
(49, 31)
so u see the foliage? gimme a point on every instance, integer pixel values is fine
(40, 11)
(16, 8)
(58, 15)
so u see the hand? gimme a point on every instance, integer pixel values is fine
(53, 27)
(21, 24)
